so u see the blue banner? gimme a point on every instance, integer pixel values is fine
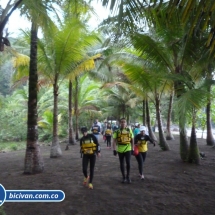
(30, 195)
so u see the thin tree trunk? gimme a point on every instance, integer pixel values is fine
(144, 112)
(55, 147)
(169, 135)
(163, 144)
(71, 132)
(76, 109)
(33, 159)
(209, 139)
(148, 121)
(193, 156)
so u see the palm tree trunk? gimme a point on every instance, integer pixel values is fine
(76, 109)
(163, 144)
(169, 135)
(144, 112)
(55, 147)
(179, 90)
(148, 121)
(33, 159)
(71, 132)
(209, 139)
(193, 156)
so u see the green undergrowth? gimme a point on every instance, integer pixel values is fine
(12, 146)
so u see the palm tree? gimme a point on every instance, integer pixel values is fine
(58, 60)
(198, 14)
(88, 99)
(83, 66)
(33, 158)
(188, 104)
(144, 78)
(169, 135)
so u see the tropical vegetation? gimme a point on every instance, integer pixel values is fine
(151, 62)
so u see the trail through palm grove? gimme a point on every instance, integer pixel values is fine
(171, 187)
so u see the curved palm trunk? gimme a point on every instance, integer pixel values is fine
(193, 155)
(169, 135)
(71, 132)
(163, 144)
(148, 121)
(33, 159)
(209, 139)
(55, 147)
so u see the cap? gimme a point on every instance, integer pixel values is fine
(142, 128)
(83, 129)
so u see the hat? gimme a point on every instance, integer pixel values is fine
(84, 129)
(142, 128)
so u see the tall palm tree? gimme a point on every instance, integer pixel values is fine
(71, 41)
(33, 158)
(84, 66)
(169, 135)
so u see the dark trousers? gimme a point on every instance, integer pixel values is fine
(85, 160)
(108, 139)
(140, 160)
(127, 157)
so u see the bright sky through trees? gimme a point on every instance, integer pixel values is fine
(17, 22)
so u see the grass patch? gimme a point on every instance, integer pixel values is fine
(12, 146)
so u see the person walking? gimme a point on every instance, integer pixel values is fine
(96, 129)
(89, 148)
(123, 138)
(140, 140)
(108, 134)
(136, 130)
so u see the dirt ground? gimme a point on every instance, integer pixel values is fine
(171, 187)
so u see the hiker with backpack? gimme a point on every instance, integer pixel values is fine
(124, 139)
(140, 141)
(89, 148)
(108, 134)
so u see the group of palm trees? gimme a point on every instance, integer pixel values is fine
(152, 50)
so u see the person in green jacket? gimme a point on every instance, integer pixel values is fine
(124, 139)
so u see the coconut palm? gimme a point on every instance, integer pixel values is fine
(188, 104)
(87, 65)
(198, 14)
(88, 99)
(38, 17)
(144, 74)
(58, 57)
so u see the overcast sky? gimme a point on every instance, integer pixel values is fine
(16, 22)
